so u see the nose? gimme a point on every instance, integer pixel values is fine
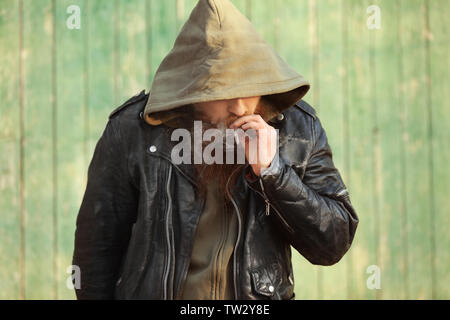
(237, 107)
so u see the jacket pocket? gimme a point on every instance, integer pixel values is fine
(266, 280)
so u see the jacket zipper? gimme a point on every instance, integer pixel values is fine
(238, 237)
(168, 238)
(166, 272)
(266, 199)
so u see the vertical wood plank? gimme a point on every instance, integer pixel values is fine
(54, 151)
(313, 43)
(163, 26)
(388, 152)
(11, 257)
(86, 12)
(38, 171)
(295, 48)
(276, 21)
(101, 73)
(22, 149)
(262, 19)
(361, 175)
(71, 135)
(437, 35)
(431, 157)
(148, 44)
(402, 148)
(179, 9)
(249, 9)
(345, 25)
(416, 151)
(375, 151)
(116, 52)
(132, 49)
(329, 49)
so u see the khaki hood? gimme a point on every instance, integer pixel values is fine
(218, 55)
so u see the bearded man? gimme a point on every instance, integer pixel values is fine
(150, 227)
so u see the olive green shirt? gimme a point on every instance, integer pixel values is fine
(210, 274)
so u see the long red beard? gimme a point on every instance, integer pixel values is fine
(225, 174)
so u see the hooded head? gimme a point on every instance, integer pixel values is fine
(218, 55)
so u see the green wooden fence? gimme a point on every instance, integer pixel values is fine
(382, 95)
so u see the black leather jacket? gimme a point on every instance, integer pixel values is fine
(135, 228)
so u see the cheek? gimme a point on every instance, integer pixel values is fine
(218, 113)
(210, 115)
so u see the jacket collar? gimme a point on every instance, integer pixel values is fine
(160, 145)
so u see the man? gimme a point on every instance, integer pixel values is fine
(152, 227)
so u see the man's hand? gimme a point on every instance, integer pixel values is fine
(266, 141)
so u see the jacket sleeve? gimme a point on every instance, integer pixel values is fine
(104, 221)
(314, 211)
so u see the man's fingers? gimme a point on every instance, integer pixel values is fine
(252, 125)
(251, 117)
